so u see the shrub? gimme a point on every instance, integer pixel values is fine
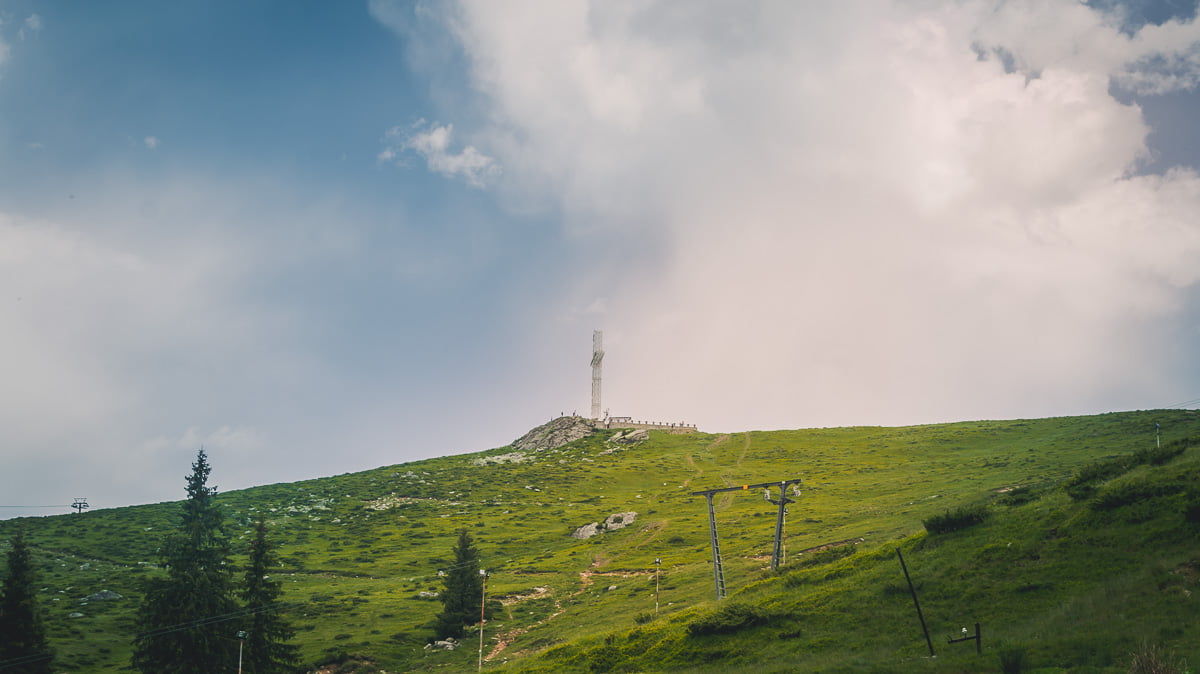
(1157, 456)
(1191, 507)
(953, 520)
(1018, 496)
(1082, 485)
(1133, 492)
(643, 617)
(1151, 659)
(827, 555)
(728, 619)
(1013, 660)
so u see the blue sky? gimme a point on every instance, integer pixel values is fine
(323, 237)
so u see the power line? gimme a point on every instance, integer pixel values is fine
(25, 660)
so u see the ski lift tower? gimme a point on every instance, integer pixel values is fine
(597, 357)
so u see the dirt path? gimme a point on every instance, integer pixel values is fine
(505, 638)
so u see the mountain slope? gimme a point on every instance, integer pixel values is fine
(1073, 583)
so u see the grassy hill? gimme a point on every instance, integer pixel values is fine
(1085, 552)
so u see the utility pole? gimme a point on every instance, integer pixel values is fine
(482, 611)
(913, 590)
(241, 635)
(1157, 435)
(718, 570)
(657, 566)
(80, 505)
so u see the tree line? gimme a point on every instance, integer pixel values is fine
(196, 618)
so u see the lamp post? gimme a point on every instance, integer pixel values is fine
(241, 635)
(482, 611)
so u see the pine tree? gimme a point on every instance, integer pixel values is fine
(183, 621)
(463, 590)
(267, 633)
(23, 648)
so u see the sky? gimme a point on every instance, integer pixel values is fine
(314, 238)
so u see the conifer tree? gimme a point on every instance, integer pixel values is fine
(23, 648)
(267, 650)
(183, 620)
(463, 590)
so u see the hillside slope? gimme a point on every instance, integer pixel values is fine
(1075, 579)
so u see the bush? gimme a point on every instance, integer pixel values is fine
(728, 619)
(826, 556)
(1013, 661)
(1157, 456)
(1018, 496)
(1082, 485)
(953, 520)
(1191, 508)
(1133, 492)
(1151, 659)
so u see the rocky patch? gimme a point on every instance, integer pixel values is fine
(611, 523)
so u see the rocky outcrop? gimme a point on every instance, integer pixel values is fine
(611, 523)
(554, 434)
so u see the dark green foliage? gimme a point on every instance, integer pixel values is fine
(729, 618)
(23, 648)
(183, 621)
(953, 520)
(1086, 481)
(1191, 507)
(462, 596)
(1128, 493)
(266, 646)
(1157, 456)
(1014, 661)
(1018, 496)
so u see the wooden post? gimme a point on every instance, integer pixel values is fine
(916, 603)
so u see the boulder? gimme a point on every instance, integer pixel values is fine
(611, 523)
(587, 531)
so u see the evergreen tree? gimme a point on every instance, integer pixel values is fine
(23, 648)
(183, 620)
(266, 647)
(463, 592)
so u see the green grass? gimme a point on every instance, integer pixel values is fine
(1085, 553)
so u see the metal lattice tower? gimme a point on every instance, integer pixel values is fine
(776, 557)
(597, 357)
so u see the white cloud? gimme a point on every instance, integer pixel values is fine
(31, 26)
(151, 142)
(433, 142)
(860, 218)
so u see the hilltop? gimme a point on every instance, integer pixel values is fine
(1086, 546)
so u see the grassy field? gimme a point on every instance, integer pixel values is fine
(1084, 552)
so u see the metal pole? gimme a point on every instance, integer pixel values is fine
(241, 642)
(718, 573)
(483, 606)
(916, 603)
(657, 566)
(777, 553)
